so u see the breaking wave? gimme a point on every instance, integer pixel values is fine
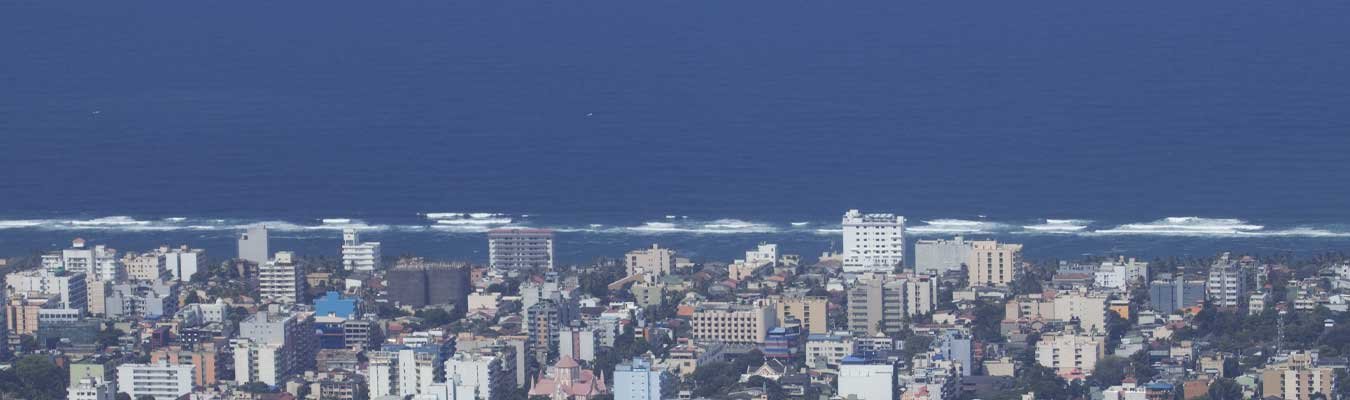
(479, 222)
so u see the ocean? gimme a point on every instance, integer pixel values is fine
(1078, 128)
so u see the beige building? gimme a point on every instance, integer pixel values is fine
(1297, 379)
(882, 303)
(993, 263)
(812, 311)
(1089, 308)
(655, 261)
(1070, 355)
(733, 323)
(144, 267)
(21, 312)
(648, 294)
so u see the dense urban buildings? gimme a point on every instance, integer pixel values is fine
(972, 319)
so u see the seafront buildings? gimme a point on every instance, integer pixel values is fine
(968, 321)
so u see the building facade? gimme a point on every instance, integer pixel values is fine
(733, 323)
(653, 262)
(873, 242)
(939, 256)
(358, 255)
(279, 279)
(993, 263)
(519, 248)
(163, 381)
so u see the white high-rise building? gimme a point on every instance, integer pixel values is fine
(866, 379)
(181, 263)
(358, 255)
(873, 242)
(1120, 274)
(520, 248)
(1070, 353)
(279, 280)
(402, 371)
(473, 376)
(90, 388)
(253, 245)
(163, 381)
(70, 287)
(638, 380)
(1227, 284)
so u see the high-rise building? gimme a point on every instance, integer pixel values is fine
(403, 371)
(279, 279)
(418, 283)
(939, 256)
(181, 263)
(358, 255)
(639, 380)
(253, 245)
(578, 341)
(520, 248)
(478, 376)
(884, 303)
(1227, 284)
(162, 381)
(873, 242)
(864, 378)
(655, 261)
(764, 254)
(274, 344)
(993, 263)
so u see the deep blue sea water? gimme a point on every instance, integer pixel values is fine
(737, 118)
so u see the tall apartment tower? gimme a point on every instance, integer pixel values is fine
(882, 305)
(1227, 283)
(993, 263)
(253, 245)
(519, 248)
(939, 256)
(358, 255)
(655, 261)
(279, 279)
(873, 242)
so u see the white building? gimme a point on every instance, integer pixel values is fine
(638, 380)
(764, 254)
(163, 381)
(474, 376)
(578, 342)
(358, 255)
(826, 352)
(90, 388)
(274, 344)
(181, 263)
(1120, 274)
(1125, 391)
(1227, 284)
(253, 245)
(873, 242)
(279, 280)
(69, 287)
(402, 371)
(939, 256)
(866, 380)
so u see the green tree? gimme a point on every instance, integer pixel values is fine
(40, 378)
(1110, 370)
(1225, 389)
